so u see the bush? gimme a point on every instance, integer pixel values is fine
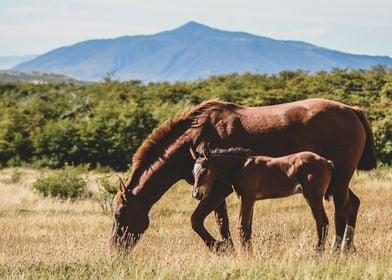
(64, 184)
(103, 124)
(107, 189)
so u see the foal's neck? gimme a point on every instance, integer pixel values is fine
(228, 166)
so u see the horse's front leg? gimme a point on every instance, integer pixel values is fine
(222, 221)
(245, 221)
(216, 199)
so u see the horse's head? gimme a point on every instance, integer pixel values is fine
(203, 174)
(130, 219)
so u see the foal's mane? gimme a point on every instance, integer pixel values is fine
(173, 132)
(234, 151)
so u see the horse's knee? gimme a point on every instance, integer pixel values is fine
(324, 221)
(196, 222)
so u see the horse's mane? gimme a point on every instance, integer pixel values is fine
(234, 151)
(150, 153)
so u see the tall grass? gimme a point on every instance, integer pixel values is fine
(49, 238)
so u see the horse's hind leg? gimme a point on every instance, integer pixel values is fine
(341, 202)
(348, 238)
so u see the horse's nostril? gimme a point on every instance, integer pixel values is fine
(197, 194)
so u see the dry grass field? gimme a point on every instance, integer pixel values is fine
(52, 239)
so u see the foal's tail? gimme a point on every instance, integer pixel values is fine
(331, 185)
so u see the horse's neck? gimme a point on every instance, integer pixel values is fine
(154, 182)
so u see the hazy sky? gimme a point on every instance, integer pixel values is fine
(37, 26)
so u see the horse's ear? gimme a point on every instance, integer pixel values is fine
(193, 152)
(122, 185)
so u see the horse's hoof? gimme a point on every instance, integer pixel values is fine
(222, 247)
(318, 253)
(348, 240)
(349, 249)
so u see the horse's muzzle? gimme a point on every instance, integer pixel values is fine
(197, 193)
(122, 239)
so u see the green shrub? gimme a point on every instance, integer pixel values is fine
(107, 189)
(103, 124)
(65, 183)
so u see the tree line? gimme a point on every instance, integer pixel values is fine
(102, 124)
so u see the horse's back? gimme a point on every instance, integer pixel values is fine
(329, 128)
(275, 117)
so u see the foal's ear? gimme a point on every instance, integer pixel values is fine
(206, 153)
(193, 152)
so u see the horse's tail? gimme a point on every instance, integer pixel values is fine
(368, 159)
(331, 185)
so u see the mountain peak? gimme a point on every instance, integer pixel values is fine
(193, 27)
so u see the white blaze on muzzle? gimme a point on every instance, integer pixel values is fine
(197, 169)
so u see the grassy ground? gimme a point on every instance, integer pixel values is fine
(46, 238)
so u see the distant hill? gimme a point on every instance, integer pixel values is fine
(190, 52)
(7, 62)
(37, 77)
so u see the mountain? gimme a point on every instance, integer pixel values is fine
(190, 52)
(37, 77)
(7, 62)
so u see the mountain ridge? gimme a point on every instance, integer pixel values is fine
(190, 52)
(7, 62)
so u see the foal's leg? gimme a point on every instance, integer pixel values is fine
(322, 222)
(313, 191)
(245, 220)
(211, 202)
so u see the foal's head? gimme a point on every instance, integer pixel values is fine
(203, 175)
(211, 164)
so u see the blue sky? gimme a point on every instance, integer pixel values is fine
(37, 26)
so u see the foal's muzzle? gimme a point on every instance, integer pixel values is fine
(197, 193)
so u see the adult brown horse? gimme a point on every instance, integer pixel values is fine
(261, 177)
(335, 131)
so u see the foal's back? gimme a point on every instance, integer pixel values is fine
(268, 177)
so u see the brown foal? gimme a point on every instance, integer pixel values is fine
(261, 177)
